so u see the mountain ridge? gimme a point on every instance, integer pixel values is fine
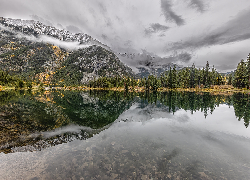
(43, 61)
(142, 64)
(36, 28)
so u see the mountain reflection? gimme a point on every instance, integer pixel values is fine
(32, 121)
(23, 115)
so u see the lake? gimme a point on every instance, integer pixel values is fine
(119, 135)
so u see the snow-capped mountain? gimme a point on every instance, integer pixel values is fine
(36, 28)
(142, 64)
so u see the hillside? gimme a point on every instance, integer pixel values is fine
(84, 65)
(38, 61)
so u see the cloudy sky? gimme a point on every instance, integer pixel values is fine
(196, 30)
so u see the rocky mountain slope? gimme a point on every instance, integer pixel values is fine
(44, 62)
(89, 63)
(36, 28)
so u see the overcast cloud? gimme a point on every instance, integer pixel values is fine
(198, 4)
(188, 30)
(234, 30)
(169, 14)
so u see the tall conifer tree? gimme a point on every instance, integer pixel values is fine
(248, 71)
(240, 77)
(206, 76)
(192, 82)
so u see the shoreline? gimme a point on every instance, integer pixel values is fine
(215, 90)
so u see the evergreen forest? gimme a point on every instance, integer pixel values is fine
(189, 77)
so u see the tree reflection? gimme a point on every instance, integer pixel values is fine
(95, 109)
(205, 102)
(185, 100)
(242, 107)
(23, 113)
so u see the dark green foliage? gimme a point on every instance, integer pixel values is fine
(205, 102)
(170, 83)
(69, 75)
(142, 82)
(241, 103)
(29, 84)
(103, 109)
(193, 77)
(229, 79)
(219, 80)
(240, 77)
(19, 84)
(153, 83)
(97, 109)
(175, 100)
(213, 76)
(25, 109)
(126, 84)
(41, 86)
(248, 71)
(25, 56)
(172, 79)
(8, 96)
(9, 80)
(184, 79)
(206, 77)
(4, 77)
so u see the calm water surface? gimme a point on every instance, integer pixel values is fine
(113, 135)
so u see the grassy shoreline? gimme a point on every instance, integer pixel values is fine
(222, 89)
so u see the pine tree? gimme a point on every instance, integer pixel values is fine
(219, 79)
(213, 76)
(154, 84)
(248, 71)
(180, 79)
(206, 76)
(203, 78)
(196, 77)
(199, 77)
(170, 79)
(240, 77)
(142, 82)
(192, 82)
(186, 79)
(174, 78)
(163, 80)
(126, 83)
(229, 79)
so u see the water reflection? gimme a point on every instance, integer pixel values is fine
(241, 103)
(25, 116)
(112, 135)
(204, 102)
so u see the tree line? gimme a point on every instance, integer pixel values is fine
(188, 101)
(14, 80)
(189, 77)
